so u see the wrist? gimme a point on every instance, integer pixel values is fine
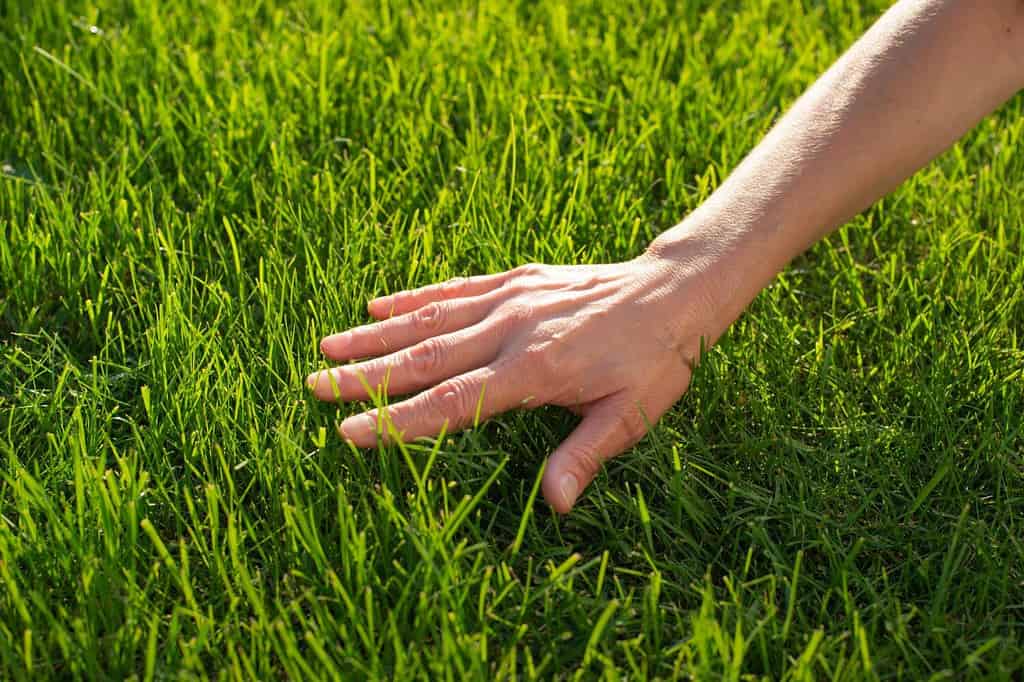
(697, 288)
(712, 254)
(728, 259)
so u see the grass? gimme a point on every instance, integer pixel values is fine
(193, 193)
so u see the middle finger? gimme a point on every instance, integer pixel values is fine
(420, 366)
(387, 336)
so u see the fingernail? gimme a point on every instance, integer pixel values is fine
(360, 428)
(570, 488)
(334, 344)
(312, 379)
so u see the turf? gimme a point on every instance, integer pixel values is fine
(193, 193)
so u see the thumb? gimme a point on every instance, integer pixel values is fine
(610, 425)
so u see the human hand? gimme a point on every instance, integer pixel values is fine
(615, 344)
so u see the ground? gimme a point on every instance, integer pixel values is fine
(194, 192)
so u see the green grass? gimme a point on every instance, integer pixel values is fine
(195, 192)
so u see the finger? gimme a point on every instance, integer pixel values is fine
(424, 364)
(610, 426)
(403, 331)
(453, 405)
(460, 287)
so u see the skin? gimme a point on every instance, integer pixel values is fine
(617, 343)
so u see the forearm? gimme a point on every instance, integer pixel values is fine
(924, 74)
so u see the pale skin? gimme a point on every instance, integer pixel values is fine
(617, 343)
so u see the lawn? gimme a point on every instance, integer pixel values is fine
(193, 193)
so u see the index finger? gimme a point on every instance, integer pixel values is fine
(408, 301)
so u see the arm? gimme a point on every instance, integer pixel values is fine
(920, 78)
(616, 343)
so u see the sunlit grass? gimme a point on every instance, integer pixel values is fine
(193, 193)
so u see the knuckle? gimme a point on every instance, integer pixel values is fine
(541, 361)
(585, 465)
(430, 317)
(527, 269)
(451, 402)
(598, 314)
(633, 427)
(425, 358)
(455, 286)
(514, 288)
(515, 312)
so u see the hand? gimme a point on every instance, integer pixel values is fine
(615, 344)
